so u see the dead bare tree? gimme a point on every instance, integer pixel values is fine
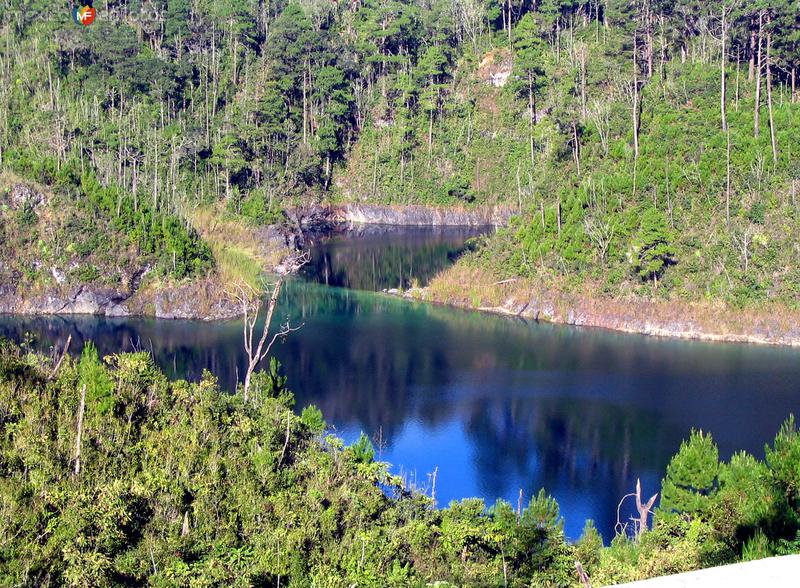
(643, 508)
(742, 239)
(583, 577)
(81, 409)
(599, 114)
(58, 363)
(251, 304)
(601, 233)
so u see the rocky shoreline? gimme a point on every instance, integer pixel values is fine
(199, 299)
(642, 317)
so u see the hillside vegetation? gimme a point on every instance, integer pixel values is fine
(648, 147)
(608, 136)
(111, 475)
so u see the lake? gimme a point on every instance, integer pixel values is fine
(492, 404)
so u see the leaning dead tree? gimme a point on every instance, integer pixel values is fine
(644, 509)
(252, 303)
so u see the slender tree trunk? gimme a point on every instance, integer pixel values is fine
(758, 77)
(728, 179)
(769, 101)
(81, 410)
(576, 148)
(723, 60)
(644, 507)
(532, 109)
(736, 101)
(635, 106)
(558, 214)
(583, 82)
(305, 115)
(752, 60)
(649, 42)
(509, 23)
(430, 136)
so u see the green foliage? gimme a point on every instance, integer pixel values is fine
(362, 450)
(312, 418)
(92, 374)
(396, 102)
(184, 484)
(589, 547)
(652, 250)
(692, 476)
(783, 460)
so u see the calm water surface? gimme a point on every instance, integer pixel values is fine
(494, 404)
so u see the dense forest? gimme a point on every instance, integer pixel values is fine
(114, 476)
(647, 147)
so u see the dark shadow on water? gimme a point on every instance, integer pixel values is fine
(375, 257)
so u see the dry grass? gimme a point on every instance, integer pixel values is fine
(240, 256)
(471, 287)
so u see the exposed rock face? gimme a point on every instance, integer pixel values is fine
(495, 68)
(199, 299)
(422, 215)
(21, 195)
(83, 299)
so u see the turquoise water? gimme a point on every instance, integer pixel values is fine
(493, 404)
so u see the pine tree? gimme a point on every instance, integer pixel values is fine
(692, 476)
(653, 250)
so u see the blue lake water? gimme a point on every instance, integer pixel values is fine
(492, 404)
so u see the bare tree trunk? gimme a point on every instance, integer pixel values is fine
(532, 109)
(728, 179)
(255, 354)
(61, 359)
(509, 23)
(736, 100)
(722, 63)
(649, 28)
(430, 136)
(81, 409)
(576, 148)
(583, 82)
(635, 106)
(558, 214)
(769, 101)
(643, 508)
(758, 76)
(288, 434)
(583, 577)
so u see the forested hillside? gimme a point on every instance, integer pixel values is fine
(648, 147)
(110, 475)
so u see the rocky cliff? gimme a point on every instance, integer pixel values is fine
(199, 299)
(415, 215)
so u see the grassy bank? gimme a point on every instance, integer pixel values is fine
(470, 285)
(240, 255)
